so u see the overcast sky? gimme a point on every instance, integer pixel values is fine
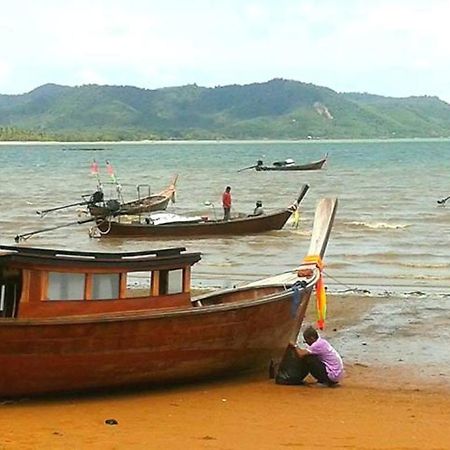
(387, 47)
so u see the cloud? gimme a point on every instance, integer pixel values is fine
(351, 45)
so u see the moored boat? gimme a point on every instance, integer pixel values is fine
(69, 322)
(200, 227)
(291, 165)
(154, 202)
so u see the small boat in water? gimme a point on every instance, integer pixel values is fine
(154, 202)
(69, 321)
(198, 227)
(289, 164)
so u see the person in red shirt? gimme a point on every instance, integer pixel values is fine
(226, 203)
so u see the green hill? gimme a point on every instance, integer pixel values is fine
(277, 109)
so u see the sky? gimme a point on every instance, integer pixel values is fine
(394, 48)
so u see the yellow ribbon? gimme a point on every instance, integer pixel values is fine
(321, 296)
(296, 220)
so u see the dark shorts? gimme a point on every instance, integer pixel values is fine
(294, 369)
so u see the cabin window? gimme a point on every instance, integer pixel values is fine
(175, 281)
(65, 286)
(170, 281)
(138, 284)
(105, 286)
(2, 298)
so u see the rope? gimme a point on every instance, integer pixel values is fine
(340, 282)
(348, 288)
(95, 232)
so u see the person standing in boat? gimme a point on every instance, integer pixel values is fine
(319, 358)
(226, 203)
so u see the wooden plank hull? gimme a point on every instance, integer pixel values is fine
(67, 323)
(149, 204)
(246, 225)
(156, 202)
(316, 165)
(146, 348)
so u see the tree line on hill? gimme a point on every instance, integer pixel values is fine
(277, 109)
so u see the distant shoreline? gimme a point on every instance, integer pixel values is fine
(223, 141)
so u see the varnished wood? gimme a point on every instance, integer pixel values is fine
(57, 345)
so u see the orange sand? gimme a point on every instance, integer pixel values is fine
(373, 409)
(240, 414)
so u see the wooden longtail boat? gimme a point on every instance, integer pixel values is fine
(155, 202)
(315, 165)
(68, 322)
(202, 228)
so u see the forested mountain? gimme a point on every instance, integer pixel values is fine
(277, 109)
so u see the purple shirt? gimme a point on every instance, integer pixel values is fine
(329, 356)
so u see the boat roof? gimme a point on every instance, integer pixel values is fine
(138, 260)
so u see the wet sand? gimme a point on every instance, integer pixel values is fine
(377, 407)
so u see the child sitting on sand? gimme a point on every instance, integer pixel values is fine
(319, 358)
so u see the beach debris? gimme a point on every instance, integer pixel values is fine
(356, 291)
(209, 438)
(111, 422)
(361, 364)
(443, 201)
(417, 293)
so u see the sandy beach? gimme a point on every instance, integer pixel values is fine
(377, 407)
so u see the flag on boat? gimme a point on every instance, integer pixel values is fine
(94, 168)
(110, 171)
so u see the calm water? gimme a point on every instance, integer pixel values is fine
(390, 238)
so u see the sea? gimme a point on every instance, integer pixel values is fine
(390, 237)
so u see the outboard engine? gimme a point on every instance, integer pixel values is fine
(96, 197)
(113, 205)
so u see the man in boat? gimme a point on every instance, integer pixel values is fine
(258, 211)
(226, 203)
(319, 358)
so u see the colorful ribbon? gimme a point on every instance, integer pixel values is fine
(321, 296)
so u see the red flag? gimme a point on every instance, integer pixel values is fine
(94, 168)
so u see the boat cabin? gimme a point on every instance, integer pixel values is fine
(45, 283)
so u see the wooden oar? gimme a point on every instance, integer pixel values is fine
(443, 201)
(20, 237)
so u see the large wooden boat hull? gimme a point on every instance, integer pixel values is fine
(140, 348)
(246, 225)
(316, 165)
(68, 323)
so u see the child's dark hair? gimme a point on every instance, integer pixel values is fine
(310, 332)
